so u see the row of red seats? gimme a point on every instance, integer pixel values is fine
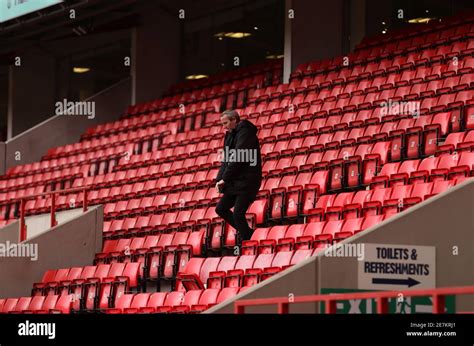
(319, 121)
(437, 168)
(294, 195)
(151, 132)
(202, 98)
(116, 249)
(333, 105)
(458, 141)
(190, 219)
(184, 121)
(197, 156)
(410, 137)
(178, 199)
(239, 271)
(149, 179)
(70, 162)
(155, 186)
(92, 286)
(298, 161)
(194, 301)
(409, 41)
(178, 158)
(280, 131)
(313, 235)
(286, 199)
(455, 164)
(167, 103)
(118, 193)
(308, 118)
(96, 156)
(390, 200)
(24, 192)
(125, 126)
(53, 277)
(32, 184)
(412, 127)
(40, 167)
(162, 302)
(423, 80)
(52, 304)
(197, 219)
(449, 82)
(410, 55)
(195, 169)
(345, 137)
(182, 152)
(317, 109)
(160, 257)
(170, 117)
(192, 135)
(448, 27)
(445, 121)
(441, 120)
(421, 87)
(225, 88)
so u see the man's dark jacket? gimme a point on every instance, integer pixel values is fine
(242, 177)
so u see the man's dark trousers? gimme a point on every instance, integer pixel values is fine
(237, 218)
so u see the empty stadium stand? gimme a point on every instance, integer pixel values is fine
(344, 147)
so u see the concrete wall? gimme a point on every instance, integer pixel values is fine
(64, 129)
(299, 280)
(70, 244)
(33, 89)
(155, 54)
(321, 30)
(444, 221)
(317, 30)
(37, 224)
(10, 232)
(357, 22)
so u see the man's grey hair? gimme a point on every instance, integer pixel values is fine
(231, 114)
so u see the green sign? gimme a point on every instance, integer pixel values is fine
(399, 305)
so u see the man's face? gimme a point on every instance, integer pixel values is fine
(227, 123)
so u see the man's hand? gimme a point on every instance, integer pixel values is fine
(219, 184)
